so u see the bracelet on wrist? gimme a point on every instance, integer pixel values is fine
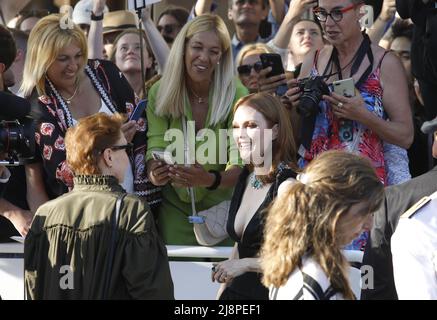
(96, 17)
(217, 181)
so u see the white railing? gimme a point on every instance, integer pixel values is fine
(192, 279)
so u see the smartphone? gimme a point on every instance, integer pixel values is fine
(272, 60)
(164, 156)
(345, 87)
(139, 110)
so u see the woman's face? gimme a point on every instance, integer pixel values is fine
(63, 72)
(253, 134)
(306, 36)
(336, 32)
(353, 223)
(128, 54)
(250, 80)
(120, 159)
(202, 53)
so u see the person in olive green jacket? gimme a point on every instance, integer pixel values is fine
(80, 246)
(198, 86)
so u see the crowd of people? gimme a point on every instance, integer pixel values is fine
(304, 173)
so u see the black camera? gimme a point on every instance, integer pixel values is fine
(17, 130)
(312, 88)
(17, 140)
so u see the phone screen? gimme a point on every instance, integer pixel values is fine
(274, 61)
(139, 110)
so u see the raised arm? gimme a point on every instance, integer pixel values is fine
(95, 35)
(157, 43)
(278, 9)
(377, 30)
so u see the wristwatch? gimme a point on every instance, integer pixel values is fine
(217, 181)
(96, 18)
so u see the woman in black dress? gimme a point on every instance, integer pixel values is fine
(263, 133)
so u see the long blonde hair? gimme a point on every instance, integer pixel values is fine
(172, 93)
(46, 40)
(303, 220)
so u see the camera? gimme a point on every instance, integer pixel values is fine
(17, 141)
(17, 130)
(312, 88)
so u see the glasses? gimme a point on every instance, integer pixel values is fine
(129, 147)
(241, 2)
(168, 28)
(245, 69)
(336, 14)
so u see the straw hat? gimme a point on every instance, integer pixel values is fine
(119, 21)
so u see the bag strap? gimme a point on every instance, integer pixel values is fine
(114, 238)
(186, 157)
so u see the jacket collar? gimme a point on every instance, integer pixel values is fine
(96, 183)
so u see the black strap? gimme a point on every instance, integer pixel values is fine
(114, 238)
(364, 49)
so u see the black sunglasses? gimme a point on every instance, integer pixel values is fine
(245, 69)
(129, 147)
(168, 28)
(241, 2)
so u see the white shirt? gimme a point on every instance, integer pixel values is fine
(306, 283)
(128, 182)
(414, 250)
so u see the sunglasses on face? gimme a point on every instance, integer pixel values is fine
(129, 147)
(241, 2)
(336, 14)
(245, 69)
(167, 28)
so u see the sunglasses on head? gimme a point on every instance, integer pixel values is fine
(336, 14)
(168, 28)
(245, 69)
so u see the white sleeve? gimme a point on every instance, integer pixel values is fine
(413, 267)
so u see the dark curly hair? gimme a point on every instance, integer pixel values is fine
(8, 50)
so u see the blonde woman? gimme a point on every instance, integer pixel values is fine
(66, 87)
(308, 225)
(249, 64)
(197, 85)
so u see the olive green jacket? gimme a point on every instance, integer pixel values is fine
(66, 250)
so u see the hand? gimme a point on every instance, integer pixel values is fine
(158, 172)
(192, 176)
(291, 98)
(270, 84)
(388, 10)
(129, 129)
(145, 13)
(21, 219)
(298, 7)
(99, 7)
(226, 271)
(353, 108)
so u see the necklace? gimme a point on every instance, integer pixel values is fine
(254, 182)
(68, 100)
(200, 100)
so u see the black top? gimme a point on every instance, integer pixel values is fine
(248, 285)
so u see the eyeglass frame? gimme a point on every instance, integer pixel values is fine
(128, 147)
(257, 65)
(172, 26)
(341, 10)
(251, 2)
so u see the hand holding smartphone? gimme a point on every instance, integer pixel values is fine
(139, 110)
(163, 156)
(345, 87)
(274, 61)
